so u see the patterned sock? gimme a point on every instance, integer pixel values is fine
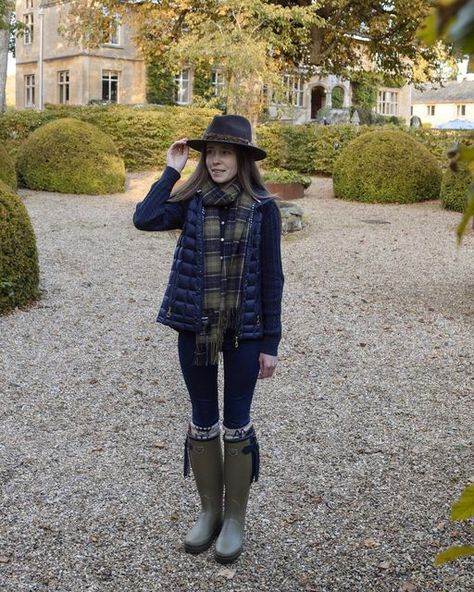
(234, 434)
(203, 433)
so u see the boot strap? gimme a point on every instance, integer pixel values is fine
(187, 445)
(253, 449)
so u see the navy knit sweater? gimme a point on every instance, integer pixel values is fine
(149, 216)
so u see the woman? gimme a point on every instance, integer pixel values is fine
(224, 295)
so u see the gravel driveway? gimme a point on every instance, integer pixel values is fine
(366, 430)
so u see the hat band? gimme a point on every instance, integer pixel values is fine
(222, 138)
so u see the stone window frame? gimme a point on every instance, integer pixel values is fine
(63, 87)
(28, 20)
(109, 77)
(218, 82)
(294, 89)
(387, 102)
(29, 4)
(116, 31)
(30, 87)
(183, 86)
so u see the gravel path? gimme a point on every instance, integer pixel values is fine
(365, 430)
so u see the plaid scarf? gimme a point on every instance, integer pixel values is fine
(223, 266)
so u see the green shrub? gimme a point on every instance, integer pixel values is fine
(454, 188)
(386, 166)
(439, 141)
(310, 148)
(70, 156)
(17, 125)
(7, 168)
(142, 134)
(313, 149)
(19, 275)
(284, 176)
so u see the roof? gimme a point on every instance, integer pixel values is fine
(450, 92)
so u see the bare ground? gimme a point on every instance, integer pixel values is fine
(366, 430)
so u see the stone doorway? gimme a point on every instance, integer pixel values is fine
(318, 98)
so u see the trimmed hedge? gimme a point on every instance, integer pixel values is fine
(454, 188)
(313, 149)
(19, 274)
(141, 134)
(7, 169)
(70, 156)
(387, 167)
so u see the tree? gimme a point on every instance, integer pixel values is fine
(453, 22)
(358, 35)
(9, 29)
(6, 12)
(254, 42)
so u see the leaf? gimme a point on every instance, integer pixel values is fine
(463, 509)
(466, 153)
(428, 30)
(453, 553)
(226, 573)
(468, 213)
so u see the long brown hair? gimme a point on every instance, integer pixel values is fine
(247, 173)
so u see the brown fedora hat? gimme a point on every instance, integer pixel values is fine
(229, 129)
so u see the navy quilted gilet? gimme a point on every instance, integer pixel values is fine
(181, 308)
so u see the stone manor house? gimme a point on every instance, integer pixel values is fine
(48, 70)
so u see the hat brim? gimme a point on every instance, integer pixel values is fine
(256, 153)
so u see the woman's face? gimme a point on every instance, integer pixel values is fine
(221, 162)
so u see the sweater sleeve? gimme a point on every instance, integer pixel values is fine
(272, 278)
(155, 212)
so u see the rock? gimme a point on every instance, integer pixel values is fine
(291, 216)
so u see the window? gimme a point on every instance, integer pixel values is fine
(460, 110)
(114, 35)
(183, 87)
(387, 103)
(293, 89)
(218, 82)
(430, 110)
(30, 90)
(63, 87)
(110, 80)
(28, 38)
(28, 4)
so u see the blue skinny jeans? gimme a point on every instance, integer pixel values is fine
(241, 368)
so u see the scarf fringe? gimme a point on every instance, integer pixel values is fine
(207, 353)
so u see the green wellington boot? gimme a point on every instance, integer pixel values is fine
(207, 465)
(241, 467)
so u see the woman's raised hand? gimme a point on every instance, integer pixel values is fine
(177, 154)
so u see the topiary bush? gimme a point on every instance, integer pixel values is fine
(19, 274)
(386, 166)
(454, 188)
(70, 156)
(7, 169)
